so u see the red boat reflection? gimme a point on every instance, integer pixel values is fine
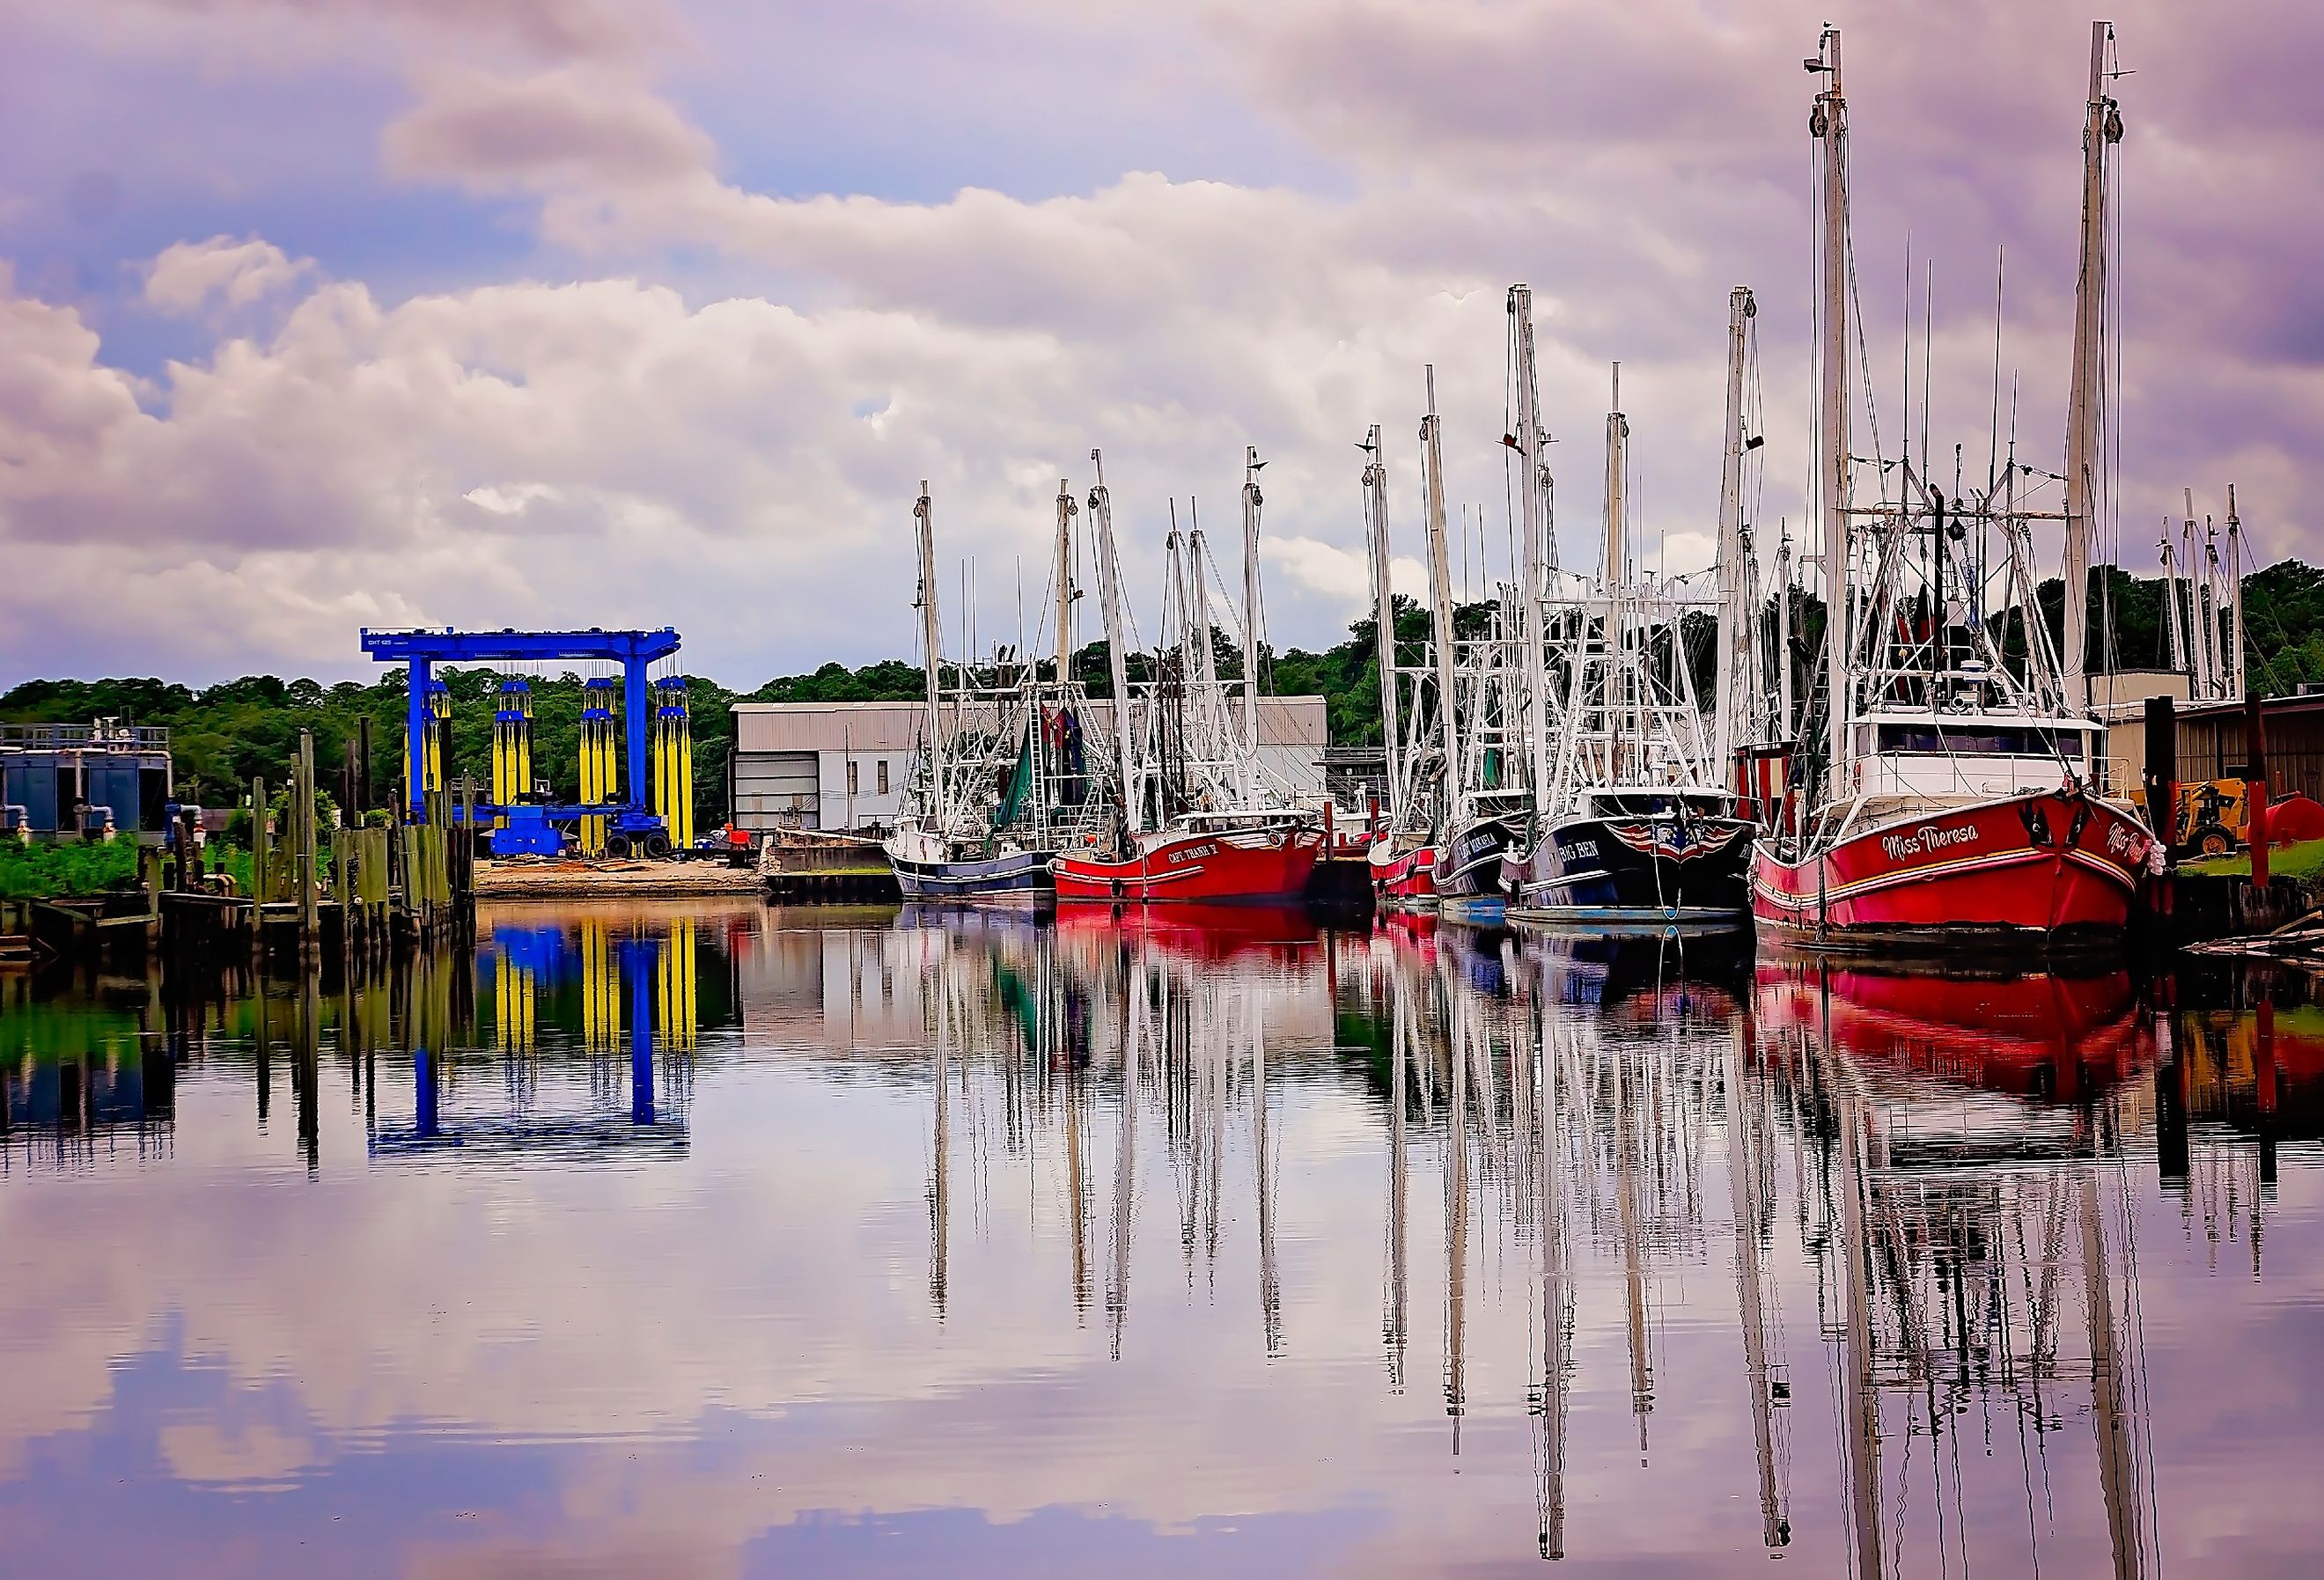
(2043, 1038)
(1194, 931)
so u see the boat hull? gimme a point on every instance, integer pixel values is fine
(1639, 872)
(1240, 867)
(2051, 869)
(1406, 881)
(1468, 871)
(1017, 878)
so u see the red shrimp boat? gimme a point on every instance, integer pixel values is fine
(2053, 867)
(1211, 857)
(1963, 796)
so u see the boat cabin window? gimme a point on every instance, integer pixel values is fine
(1982, 741)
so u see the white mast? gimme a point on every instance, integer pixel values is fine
(1735, 624)
(2215, 659)
(1065, 510)
(1204, 682)
(1619, 723)
(2101, 129)
(1109, 572)
(1440, 597)
(1618, 428)
(923, 514)
(1250, 503)
(2174, 624)
(1789, 729)
(2236, 594)
(2202, 579)
(1829, 123)
(1529, 447)
(1383, 616)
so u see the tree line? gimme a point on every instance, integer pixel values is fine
(224, 736)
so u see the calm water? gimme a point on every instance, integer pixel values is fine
(726, 1242)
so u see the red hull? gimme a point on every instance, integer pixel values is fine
(2031, 866)
(1240, 867)
(1407, 882)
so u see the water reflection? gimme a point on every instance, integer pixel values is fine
(674, 1238)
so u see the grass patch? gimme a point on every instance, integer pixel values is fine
(2303, 860)
(54, 872)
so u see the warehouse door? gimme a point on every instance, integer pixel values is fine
(776, 789)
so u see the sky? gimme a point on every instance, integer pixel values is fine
(320, 314)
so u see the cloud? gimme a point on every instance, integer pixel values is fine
(549, 29)
(571, 128)
(188, 275)
(756, 349)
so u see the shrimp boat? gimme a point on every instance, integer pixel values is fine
(1966, 798)
(1006, 778)
(1637, 828)
(1201, 819)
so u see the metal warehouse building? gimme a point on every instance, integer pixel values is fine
(843, 766)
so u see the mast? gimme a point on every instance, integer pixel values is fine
(1617, 549)
(2204, 619)
(1733, 627)
(1383, 616)
(923, 514)
(1250, 503)
(1618, 703)
(1440, 597)
(1789, 729)
(2235, 593)
(1065, 509)
(1109, 572)
(2213, 658)
(2174, 641)
(1829, 123)
(1198, 637)
(1529, 446)
(2085, 420)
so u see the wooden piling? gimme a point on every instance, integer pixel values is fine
(307, 869)
(2255, 780)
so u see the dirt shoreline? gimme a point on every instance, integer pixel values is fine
(613, 879)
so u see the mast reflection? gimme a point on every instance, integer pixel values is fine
(1961, 1127)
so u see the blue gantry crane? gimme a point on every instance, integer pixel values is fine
(627, 822)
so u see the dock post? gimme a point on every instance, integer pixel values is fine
(2256, 789)
(308, 865)
(259, 853)
(363, 765)
(2163, 806)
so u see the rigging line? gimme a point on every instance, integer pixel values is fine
(1863, 354)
